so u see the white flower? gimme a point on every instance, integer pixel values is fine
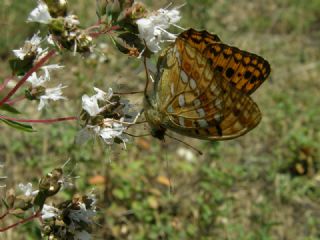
(30, 46)
(82, 215)
(51, 94)
(71, 20)
(50, 40)
(49, 212)
(111, 130)
(27, 189)
(36, 81)
(83, 235)
(153, 28)
(40, 14)
(93, 198)
(101, 95)
(35, 40)
(90, 104)
(39, 81)
(48, 68)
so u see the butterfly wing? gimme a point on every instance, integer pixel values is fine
(197, 99)
(226, 114)
(246, 71)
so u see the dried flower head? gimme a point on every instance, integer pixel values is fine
(105, 115)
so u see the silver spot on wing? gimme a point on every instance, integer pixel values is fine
(203, 123)
(181, 100)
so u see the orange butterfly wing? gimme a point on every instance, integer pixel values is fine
(246, 71)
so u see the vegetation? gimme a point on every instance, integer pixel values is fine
(264, 185)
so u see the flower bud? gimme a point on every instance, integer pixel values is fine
(84, 43)
(23, 202)
(56, 26)
(10, 198)
(57, 8)
(113, 7)
(51, 183)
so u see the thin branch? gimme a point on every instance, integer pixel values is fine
(136, 123)
(36, 215)
(147, 73)
(97, 34)
(40, 120)
(127, 93)
(4, 215)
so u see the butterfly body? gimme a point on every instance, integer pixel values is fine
(202, 89)
(155, 118)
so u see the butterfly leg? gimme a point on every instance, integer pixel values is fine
(187, 144)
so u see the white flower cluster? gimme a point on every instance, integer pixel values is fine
(152, 29)
(30, 47)
(27, 189)
(79, 213)
(49, 93)
(49, 211)
(109, 129)
(68, 33)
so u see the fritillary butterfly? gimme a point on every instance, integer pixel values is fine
(202, 89)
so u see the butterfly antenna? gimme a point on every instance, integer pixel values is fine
(137, 123)
(146, 69)
(147, 74)
(142, 135)
(187, 144)
(127, 93)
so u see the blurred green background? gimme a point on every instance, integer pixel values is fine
(264, 185)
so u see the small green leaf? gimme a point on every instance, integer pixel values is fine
(113, 9)
(40, 199)
(5, 203)
(100, 8)
(126, 41)
(19, 126)
(8, 108)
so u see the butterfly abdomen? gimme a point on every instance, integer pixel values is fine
(154, 118)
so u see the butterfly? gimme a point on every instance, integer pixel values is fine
(202, 89)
